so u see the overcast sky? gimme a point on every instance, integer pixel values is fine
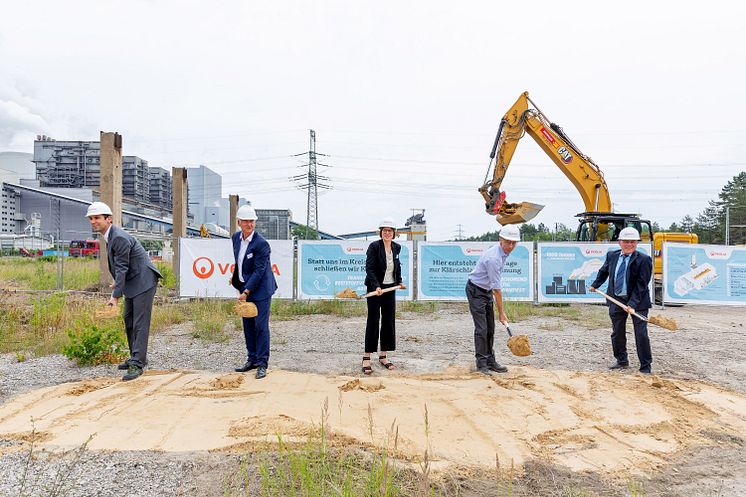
(405, 97)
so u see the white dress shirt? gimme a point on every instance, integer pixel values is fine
(242, 253)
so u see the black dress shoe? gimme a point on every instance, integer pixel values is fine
(126, 365)
(246, 367)
(132, 373)
(497, 368)
(261, 372)
(484, 370)
(646, 371)
(619, 365)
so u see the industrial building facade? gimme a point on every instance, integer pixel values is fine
(77, 164)
(274, 224)
(46, 194)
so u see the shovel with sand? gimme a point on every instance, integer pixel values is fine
(669, 324)
(349, 293)
(518, 344)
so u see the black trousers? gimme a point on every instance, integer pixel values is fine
(381, 309)
(482, 308)
(137, 313)
(619, 337)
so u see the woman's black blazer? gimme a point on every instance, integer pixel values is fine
(375, 264)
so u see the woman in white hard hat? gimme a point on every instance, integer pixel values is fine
(383, 270)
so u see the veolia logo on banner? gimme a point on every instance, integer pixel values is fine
(206, 267)
(203, 267)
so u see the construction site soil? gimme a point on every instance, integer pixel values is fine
(559, 417)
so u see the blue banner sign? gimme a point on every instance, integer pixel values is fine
(443, 269)
(327, 267)
(704, 274)
(566, 270)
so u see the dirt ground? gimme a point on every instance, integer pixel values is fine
(558, 415)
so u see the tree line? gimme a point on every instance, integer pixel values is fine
(710, 224)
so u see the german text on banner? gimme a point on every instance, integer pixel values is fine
(443, 270)
(704, 274)
(326, 267)
(206, 266)
(566, 270)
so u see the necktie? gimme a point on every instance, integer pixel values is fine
(619, 281)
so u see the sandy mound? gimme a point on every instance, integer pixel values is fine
(585, 421)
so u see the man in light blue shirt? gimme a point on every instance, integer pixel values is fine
(483, 290)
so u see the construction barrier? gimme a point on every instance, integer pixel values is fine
(692, 274)
(567, 269)
(443, 269)
(704, 274)
(206, 265)
(327, 267)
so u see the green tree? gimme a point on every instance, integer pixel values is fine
(152, 244)
(530, 233)
(709, 225)
(490, 236)
(733, 196)
(687, 224)
(303, 232)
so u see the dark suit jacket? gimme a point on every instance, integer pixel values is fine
(129, 265)
(255, 268)
(375, 264)
(639, 272)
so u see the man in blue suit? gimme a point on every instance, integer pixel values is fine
(629, 273)
(135, 279)
(253, 277)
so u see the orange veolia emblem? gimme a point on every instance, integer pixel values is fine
(203, 267)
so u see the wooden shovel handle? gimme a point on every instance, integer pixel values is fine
(612, 299)
(390, 289)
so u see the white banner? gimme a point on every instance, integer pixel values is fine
(326, 267)
(443, 269)
(704, 274)
(567, 269)
(206, 266)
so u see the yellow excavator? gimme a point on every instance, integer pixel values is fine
(578, 167)
(598, 222)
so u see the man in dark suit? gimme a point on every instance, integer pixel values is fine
(629, 273)
(135, 278)
(253, 277)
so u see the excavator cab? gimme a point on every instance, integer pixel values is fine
(605, 227)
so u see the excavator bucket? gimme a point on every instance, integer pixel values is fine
(517, 213)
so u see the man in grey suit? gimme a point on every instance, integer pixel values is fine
(135, 278)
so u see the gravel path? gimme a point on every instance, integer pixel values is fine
(708, 347)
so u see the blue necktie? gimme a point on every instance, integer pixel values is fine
(619, 281)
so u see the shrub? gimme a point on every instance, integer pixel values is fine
(169, 278)
(91, 344)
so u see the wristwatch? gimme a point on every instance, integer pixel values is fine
(246, 292)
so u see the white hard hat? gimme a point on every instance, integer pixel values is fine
(629, 233)
(98, 209)
(511, 232)
(387, 222)
(246, 213)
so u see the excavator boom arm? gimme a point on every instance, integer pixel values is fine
(582, 172)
